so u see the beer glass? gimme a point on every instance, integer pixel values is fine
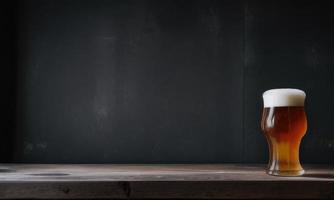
(284, 124)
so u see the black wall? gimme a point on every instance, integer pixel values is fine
(161, 81)
(8, 83)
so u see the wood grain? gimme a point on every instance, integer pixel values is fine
(44, 181)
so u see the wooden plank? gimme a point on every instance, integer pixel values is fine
(228, 181)
(62, 190)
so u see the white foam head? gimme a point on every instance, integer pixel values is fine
(283, 97)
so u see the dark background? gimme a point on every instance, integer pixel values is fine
(159, 81)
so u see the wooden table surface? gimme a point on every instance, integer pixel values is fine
(211, 181)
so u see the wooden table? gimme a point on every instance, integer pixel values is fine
(225, 181)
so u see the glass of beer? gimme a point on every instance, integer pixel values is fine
(284, 124)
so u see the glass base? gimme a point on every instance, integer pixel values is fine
(285, 173)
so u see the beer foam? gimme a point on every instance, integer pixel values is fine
(283, 97)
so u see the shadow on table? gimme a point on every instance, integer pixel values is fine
(322, 175)
(6, 170)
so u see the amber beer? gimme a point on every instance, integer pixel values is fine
(284, 124)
